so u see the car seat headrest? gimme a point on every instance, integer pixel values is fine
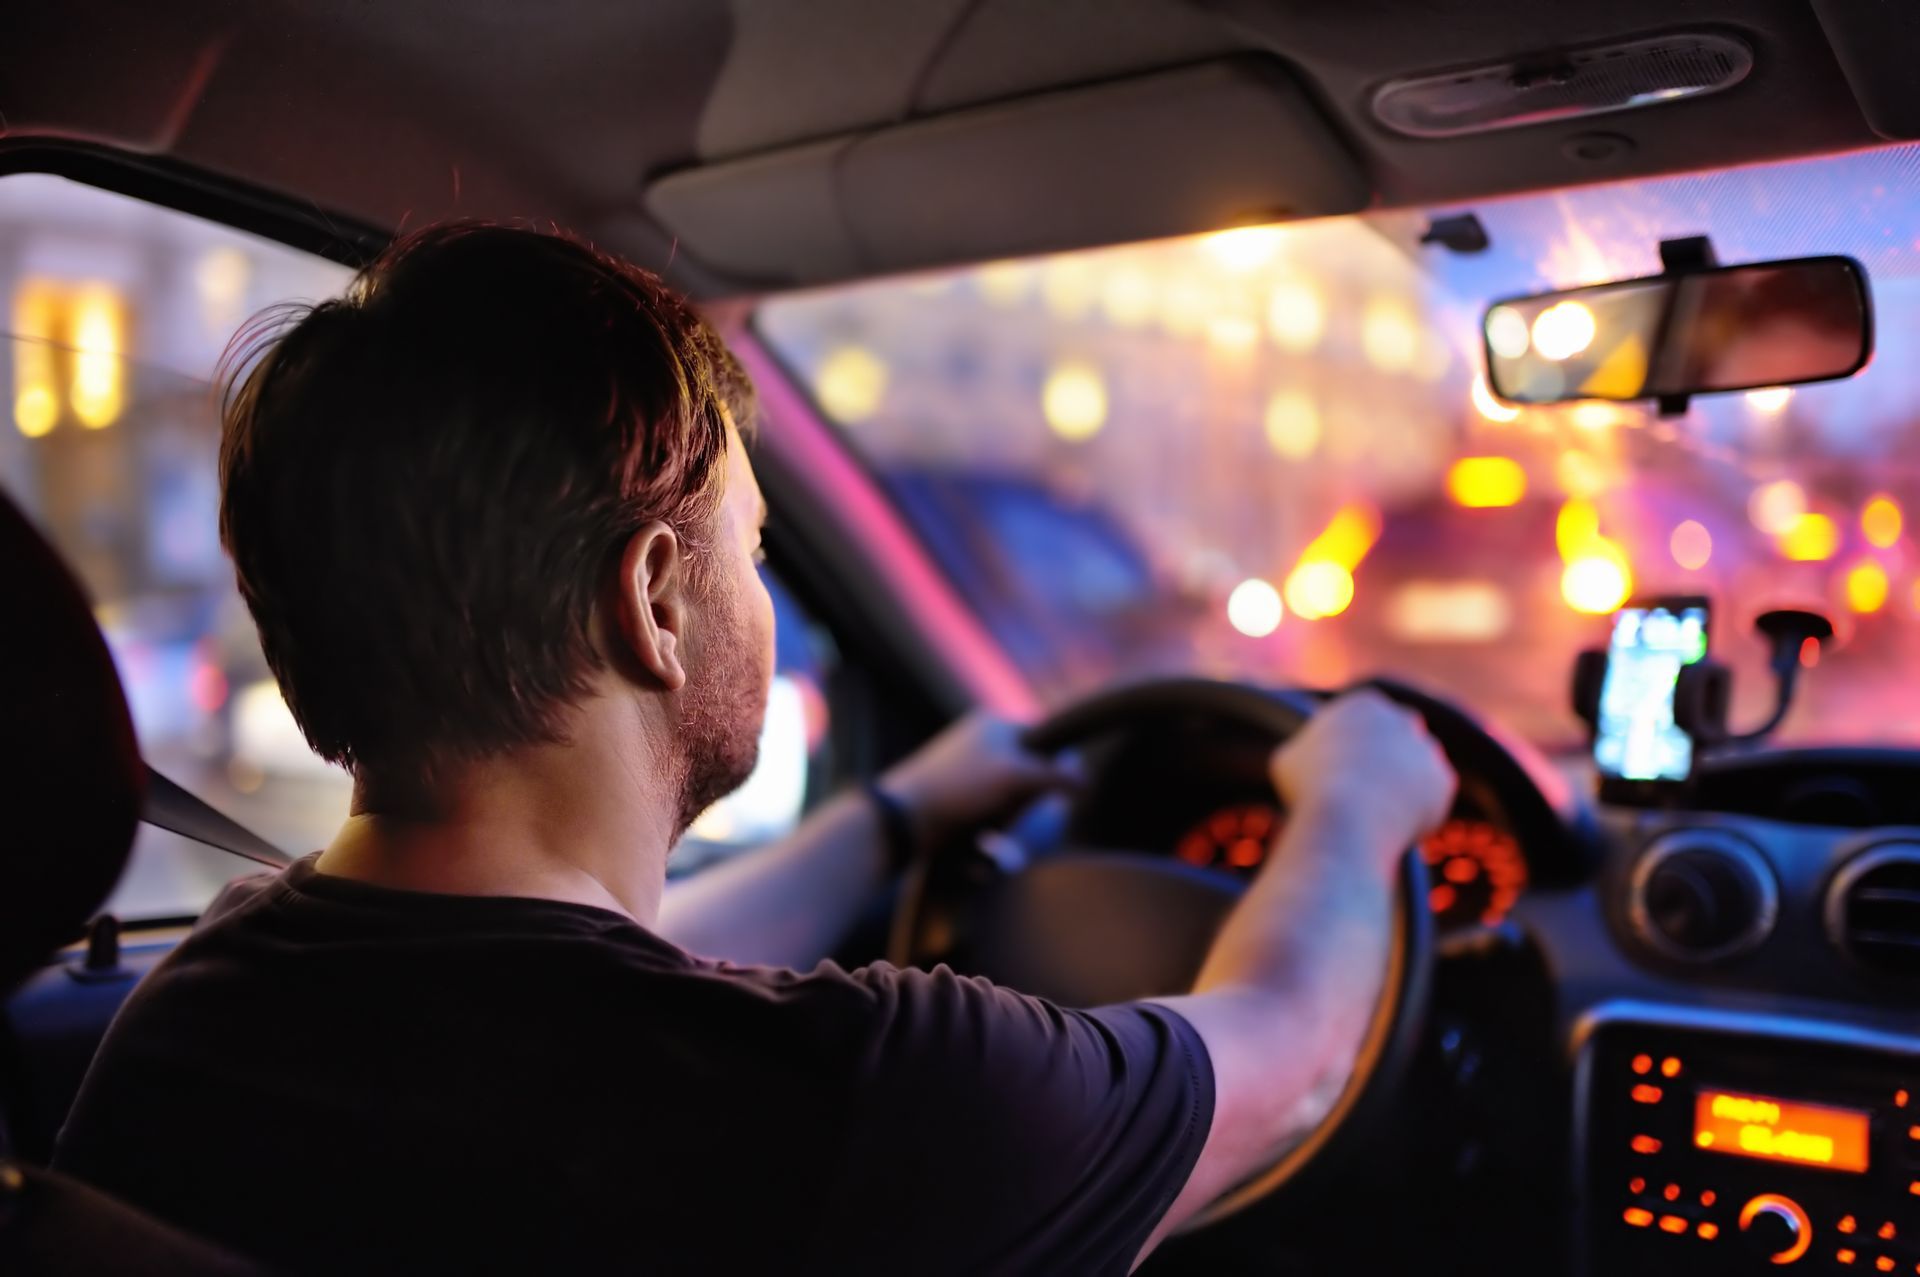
(72, 782)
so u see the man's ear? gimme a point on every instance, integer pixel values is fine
(651, 604)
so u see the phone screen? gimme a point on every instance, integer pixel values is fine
(1637, 738)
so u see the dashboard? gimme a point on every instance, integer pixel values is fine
(1676, 1039)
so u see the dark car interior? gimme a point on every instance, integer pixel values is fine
(1638, 1023)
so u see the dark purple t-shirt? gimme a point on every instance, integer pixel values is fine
(336, 1077)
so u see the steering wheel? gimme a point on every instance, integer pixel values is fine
(1087, 927)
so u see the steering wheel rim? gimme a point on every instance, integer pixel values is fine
(1393, 1028)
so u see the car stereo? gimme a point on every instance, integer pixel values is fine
(1716, 1144)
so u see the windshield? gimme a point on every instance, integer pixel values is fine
(1270, 453)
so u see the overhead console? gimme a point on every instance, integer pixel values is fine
(1174, 152)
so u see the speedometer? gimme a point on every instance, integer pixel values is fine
(1232, 838)
(1477, 873)
(1476, 870)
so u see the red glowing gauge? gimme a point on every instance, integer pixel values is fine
(1476, 872)
(1231, 838)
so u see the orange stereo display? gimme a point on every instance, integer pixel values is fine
(1780, 1130)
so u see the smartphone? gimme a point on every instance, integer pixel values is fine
(1636, 738)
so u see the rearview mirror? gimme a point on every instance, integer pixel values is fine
(1685, 333)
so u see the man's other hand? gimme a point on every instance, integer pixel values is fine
(1365, 759)
(972, 774)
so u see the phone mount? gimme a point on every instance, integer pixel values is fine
(1705, 688)
(1703, 693)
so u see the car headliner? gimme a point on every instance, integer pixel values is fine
(396, 114)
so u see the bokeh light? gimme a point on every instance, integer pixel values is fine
(98, 333)
(1074, 401)
(1811, 538)
(1319, 588)
(1128, 297)
(1296, 315)
(1881, 522)
(1576, 527)
(1595, 578)
(851, 384)
(1349, 535)
(1293, 424)
(1596, 583)
(1469, 611)
(35, 410)
(1563, 330)
(1254, 608)
(1691, 545)
(1507, 332)
(1486, 482)
(1770, 401)
(1389, 334)
(1775, 507)
(1321, 584)
(1867, 587)
(36, 400)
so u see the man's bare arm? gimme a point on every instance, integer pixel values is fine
(791, 904)
(787, 905)
(1289, 987)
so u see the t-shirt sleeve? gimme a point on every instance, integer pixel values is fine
(995, 1132)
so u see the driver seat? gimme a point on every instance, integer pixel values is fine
(71, 787)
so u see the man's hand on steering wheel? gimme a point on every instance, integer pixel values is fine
(1370, 759)
(974, 773)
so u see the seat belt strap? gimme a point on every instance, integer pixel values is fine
(172, 808)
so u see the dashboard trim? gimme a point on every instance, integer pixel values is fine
(1758, 1023)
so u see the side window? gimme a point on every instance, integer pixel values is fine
(796, 764)
(116, 314)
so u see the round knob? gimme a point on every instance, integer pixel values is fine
(1702, 895)
(1775, 1228)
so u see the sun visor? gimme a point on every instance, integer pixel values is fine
(1171, 153)
(1874, 45)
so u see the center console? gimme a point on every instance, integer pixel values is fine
(1713, 1143)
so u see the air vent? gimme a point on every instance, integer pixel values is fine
(1563, 86)
(1702, 895)
(1873, 909)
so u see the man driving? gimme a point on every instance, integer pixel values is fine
(494, 518)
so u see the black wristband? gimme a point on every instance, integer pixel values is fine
(896, 828)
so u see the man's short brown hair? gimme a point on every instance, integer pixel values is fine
(425, 484)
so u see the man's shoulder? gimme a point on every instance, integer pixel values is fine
(237, 896)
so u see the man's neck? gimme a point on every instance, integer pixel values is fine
(589, 822)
